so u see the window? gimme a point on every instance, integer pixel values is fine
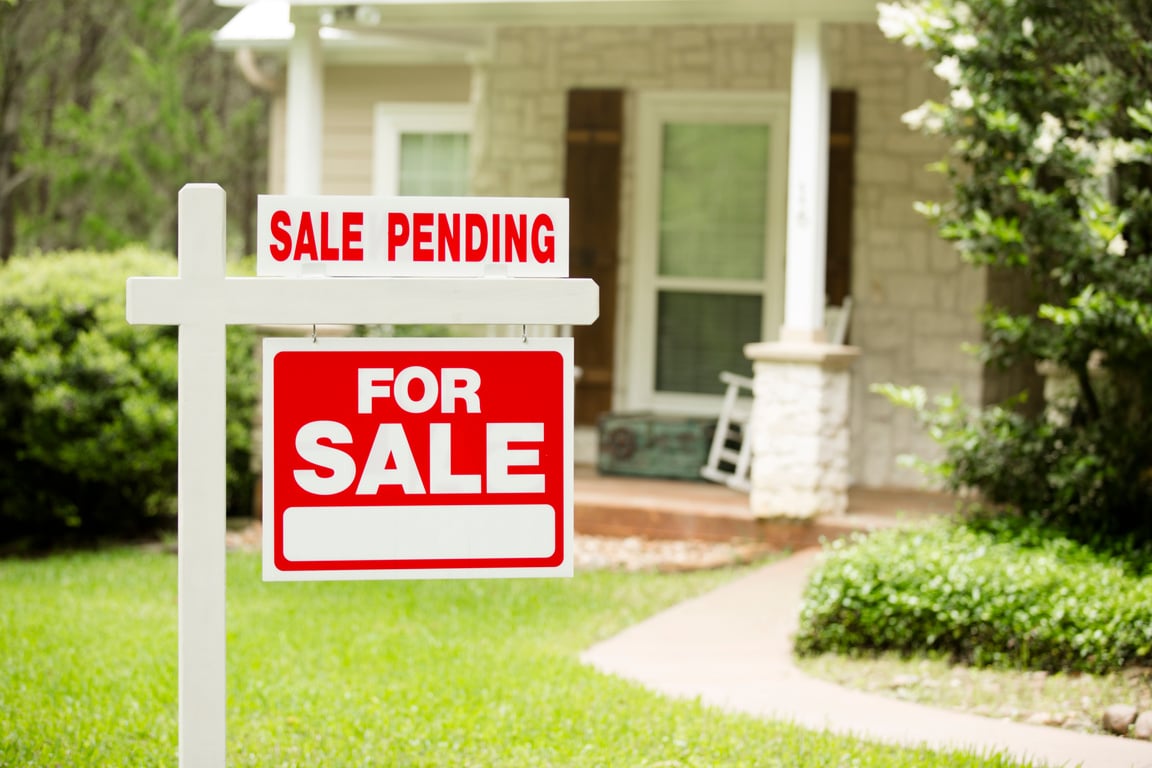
(421, 149)
(709, 247)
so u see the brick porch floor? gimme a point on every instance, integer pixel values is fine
(610, 505)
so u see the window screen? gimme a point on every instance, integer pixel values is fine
(701, 334)
(713, 200)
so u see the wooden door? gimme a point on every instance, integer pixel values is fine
(592, 185)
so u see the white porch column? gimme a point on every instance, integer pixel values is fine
(304, 106)
(799, 427)
(807, 187)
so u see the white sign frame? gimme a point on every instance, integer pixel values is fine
(201, 300)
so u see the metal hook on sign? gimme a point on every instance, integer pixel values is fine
(313, 333)
(524, 333)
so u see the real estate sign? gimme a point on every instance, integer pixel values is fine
(412, 236)
(430, 458)
(417, 458)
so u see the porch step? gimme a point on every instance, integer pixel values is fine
(679, 509)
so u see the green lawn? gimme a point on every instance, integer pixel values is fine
(479, 673)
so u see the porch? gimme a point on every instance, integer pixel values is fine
(576, 100)
(613, 505)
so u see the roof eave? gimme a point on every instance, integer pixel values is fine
(601, 12)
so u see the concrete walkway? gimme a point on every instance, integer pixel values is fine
(732, 649)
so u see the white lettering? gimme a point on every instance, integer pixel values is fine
(369, 387)
(390, 443)
(404, 389)
(341, 466)
(500, 457)
(440, 477)
(459, 384)
(455, 384)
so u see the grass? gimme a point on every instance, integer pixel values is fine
(1069, 700)
(479, 673)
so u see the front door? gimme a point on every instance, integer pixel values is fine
(709, 241)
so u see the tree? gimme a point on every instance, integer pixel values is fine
(106, 109)
(1050, 168)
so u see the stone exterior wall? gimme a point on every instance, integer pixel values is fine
(914, 302)
(521, 92)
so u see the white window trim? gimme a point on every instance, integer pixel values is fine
(653, 110)
(391, 119)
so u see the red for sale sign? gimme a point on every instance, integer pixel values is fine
(417, 458)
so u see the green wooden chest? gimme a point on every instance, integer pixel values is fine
(651, 445)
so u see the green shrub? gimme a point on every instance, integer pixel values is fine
(1007, 594)
(88, 402)
(1090, 480)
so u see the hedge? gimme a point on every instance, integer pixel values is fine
(88, 402)
(1001, 594)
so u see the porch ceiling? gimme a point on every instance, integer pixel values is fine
(265, 23)
(350, 34)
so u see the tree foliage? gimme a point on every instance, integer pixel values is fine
(107, 108)
(1050, 166)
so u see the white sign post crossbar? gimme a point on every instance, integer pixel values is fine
(201, 300)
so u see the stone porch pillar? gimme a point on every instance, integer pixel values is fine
(304, 106)
(800, 427)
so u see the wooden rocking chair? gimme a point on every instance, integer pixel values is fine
(730, 457)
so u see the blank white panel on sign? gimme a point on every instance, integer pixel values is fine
(419, 532)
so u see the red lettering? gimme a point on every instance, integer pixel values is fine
(327, 252)
(543, 239)
(280, 220)
(449, 243)
(475, 248)
(515, 236)
(422, 250)
(305, 239)
(398, 233)
(420, 237)
(350, 241)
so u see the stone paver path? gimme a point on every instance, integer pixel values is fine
(732, 649)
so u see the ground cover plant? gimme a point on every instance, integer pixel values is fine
(988, 592)
(474, 673)
(1071, 700)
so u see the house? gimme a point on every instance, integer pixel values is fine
(733, 167)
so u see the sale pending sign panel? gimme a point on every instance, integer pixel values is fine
(417, 458)
(411, 236)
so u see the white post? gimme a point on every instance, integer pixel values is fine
(201, 485)
(807, 188)
(304, 107)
